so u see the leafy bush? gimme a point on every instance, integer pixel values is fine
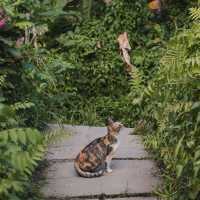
(22, 91)
(60, 61)
(171, 110)
(30, 73)
(59, 67)
(101, 85)
(21, 149)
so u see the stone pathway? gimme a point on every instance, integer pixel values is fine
(133, 177)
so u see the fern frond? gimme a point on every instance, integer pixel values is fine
(193, 60)
(54, 136)
(149, 90)
(137, 81)
(21, 148)
(174, 57)
(2, 80)
(86, 8)
(195, 13)
(22, 105)
(179, 107)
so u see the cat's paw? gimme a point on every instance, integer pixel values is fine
(109, 170)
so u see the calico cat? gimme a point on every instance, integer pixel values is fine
(94, 160)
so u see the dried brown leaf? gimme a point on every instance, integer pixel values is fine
(125, 47)
(107, 2)
(98, 44)
(154, 6)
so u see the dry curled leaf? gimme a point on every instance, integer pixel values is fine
(154, 6)
(107, 2)
(98, 44)
(125, 47)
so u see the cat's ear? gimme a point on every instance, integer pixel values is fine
(109, 121)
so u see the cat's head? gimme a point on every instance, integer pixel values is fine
(113, 127)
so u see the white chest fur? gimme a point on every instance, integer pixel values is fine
(115, 145)
(110, 156)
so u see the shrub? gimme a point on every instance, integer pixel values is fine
(171, 109)
(60, 61)
(20, 151)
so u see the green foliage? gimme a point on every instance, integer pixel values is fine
(171, 109)
(59, 67)
(7, 116)
(21, 149)
(98, 77)
(86, 8)
(60, 62)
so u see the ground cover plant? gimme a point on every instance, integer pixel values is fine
(60, 62)
(171, 110)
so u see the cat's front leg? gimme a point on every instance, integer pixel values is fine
(112, 150)
(108, 162)
(109, 158)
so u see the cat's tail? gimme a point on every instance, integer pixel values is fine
(88, 174)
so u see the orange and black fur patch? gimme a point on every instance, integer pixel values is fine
(95, 158)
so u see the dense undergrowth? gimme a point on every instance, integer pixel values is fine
(60, 62)
(171, 114)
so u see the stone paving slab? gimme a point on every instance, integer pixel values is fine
(128, 177)
(126, 198)
(130, 145)
(133, 172)
(135, 198)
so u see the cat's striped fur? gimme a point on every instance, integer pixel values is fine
(95, 158)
